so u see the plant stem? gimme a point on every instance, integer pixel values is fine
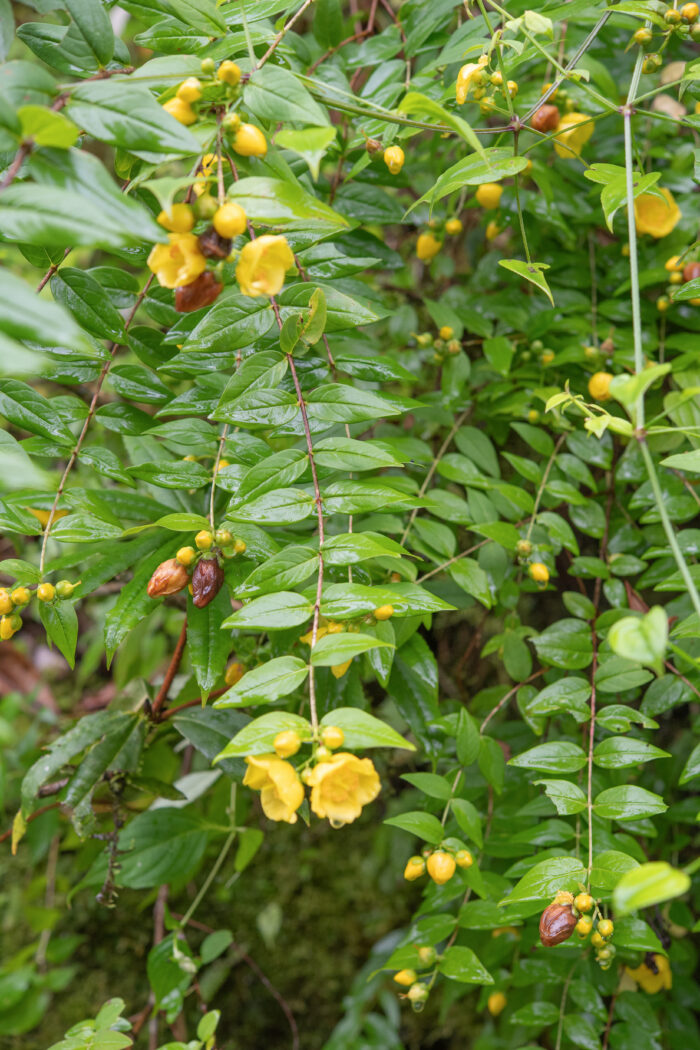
(632, 236)
(209, 879)
(433, 467)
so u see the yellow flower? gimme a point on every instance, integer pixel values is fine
(427, 246)
(263, 264)
(179, 219)
(338, 670)
(573, 134)
(468, 74)
(652, 978)
(281, 791)
(179, 262)
(654, 215)
(341, 786)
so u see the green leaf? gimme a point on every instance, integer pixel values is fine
(276, 202)
(256, 738)
(7, 28)
(417, 103)
(309, 143)
(275, 94)
(469, 575)
(628, 803)
(91, 770)
(337, 648)
(468, 738)
(461, 964)
(129, 117)
(209, 731)
(202, 15)
(497, 163)
(536, 1015)
(567, 797)
(531, 271)
(687, 461)
(567, 643)
(133, 603)
(272, 612)
(558, 756)
(208, 646)
(422, 825)
(569, 695)
(617, 752)
(543, 880)
(430, 784)
(60, 219)
(46, 127)
(95, 27)
(281, 507)
(291, 566)
(266, 683)
(26, 408)
(609, 866)
(80, 293)
(341, 403)
(469, 820)
(61, 625)
(349, 454)
(691, 769)
(157, 847)
(647, 885)
(364, 730)
(234, 321)
(641, 638)
(26, 316)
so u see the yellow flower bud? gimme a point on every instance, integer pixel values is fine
(186, 555)
(441, 866)
(463, 858)
(496, 1003)
(563, 897)
(539, 572)
(606, 928)
(583, 902)
(427, 955)
(286, 743)
(488, 195)
(584, 925)
(453, 227)
(394, 159)
(446, 332)
(599, 386)
(332, 737)
(46, 592)
(250, 141)
(6, 603)
(180, 218)
(229, 73)
(20, 596)
(181, 110)
(597, 941)
(239, 547)
(662, 304)
(190, 90)
(415, 867)
(384, 612)
(234, 672)
(6, 629)
(427, 246)
(492, 230)
(406, 977)
(204, 540)
(230, 220)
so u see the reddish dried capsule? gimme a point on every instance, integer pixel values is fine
(169, 578)
(207, 580)
(557, 923)
(199, 293)
(546, 118)
(691, 271)
(213, 245)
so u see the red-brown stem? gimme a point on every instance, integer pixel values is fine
(504, 700)
(283, 32)
(88, 419)
(169, 674)
(32, 816)
(332, 50)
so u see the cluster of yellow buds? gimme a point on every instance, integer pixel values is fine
(440, 864)
(418, 986)
(678, 273)
(14, 601)
(192, 90)
(341, 783)
(199, 568)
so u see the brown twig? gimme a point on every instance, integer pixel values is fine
(169, 674)
(332, 50)
(32, 816)
(283, 32)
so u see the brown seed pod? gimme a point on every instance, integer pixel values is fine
(557, 923)
(199, 293)
(213, 245)
(691, 271)
(546, 118)
(207, 579)
(169, 578)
